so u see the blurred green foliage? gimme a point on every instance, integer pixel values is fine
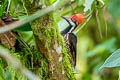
(114, 8)
(88, 4)
(3, 6)
(92, 51)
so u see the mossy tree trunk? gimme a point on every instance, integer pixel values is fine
(50, 42)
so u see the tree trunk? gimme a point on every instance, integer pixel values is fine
(50, 42)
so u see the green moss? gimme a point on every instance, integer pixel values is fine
(66, 59)
(66, 62)
(51, 32)
(46, 30)
(40, 66)
(8, 72)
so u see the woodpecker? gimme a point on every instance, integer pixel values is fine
(69, 37)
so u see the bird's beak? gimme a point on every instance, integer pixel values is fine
(67, 19)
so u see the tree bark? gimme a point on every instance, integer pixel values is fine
(50, 42)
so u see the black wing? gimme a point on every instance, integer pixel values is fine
(73, 44)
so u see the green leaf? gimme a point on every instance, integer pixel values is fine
(113, 60)
(88, 4)
(80, 2)
(26, 27)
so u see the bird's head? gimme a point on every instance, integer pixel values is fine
(75, 19)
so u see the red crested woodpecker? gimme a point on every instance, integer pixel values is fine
(69, 37)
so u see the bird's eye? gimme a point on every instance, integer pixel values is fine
(74, 20)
